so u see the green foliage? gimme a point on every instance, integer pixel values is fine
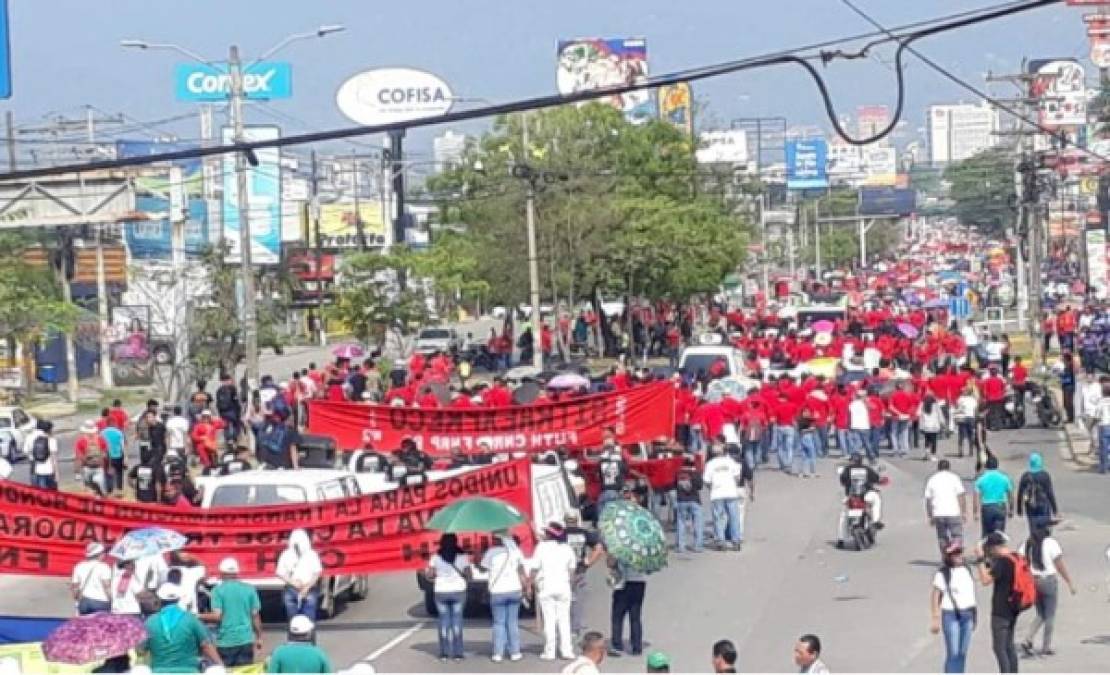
(982, 188)
(369, 297)
(31, 304)
(618, 208)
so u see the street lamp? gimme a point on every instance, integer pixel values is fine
(235, 94)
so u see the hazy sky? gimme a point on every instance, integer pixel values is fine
(66, 54)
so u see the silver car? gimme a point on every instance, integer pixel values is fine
(438, 339)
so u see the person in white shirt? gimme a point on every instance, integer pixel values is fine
(723, 475)
(504, 565)
(1046, 561)
(91, 581)
(593, 653)
(859, 424)
(953, 608)
(125, 589)
(1090, 395)
(299, 568)
(946, 504)
(552, 567)
(967, 409)
(177, 431)
(449, 570)
(41, 449)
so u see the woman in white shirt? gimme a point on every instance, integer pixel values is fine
(967, 408)
(1046, 560)
(953, 608)
(448, 571)
(930, 421)
(126, 586)
(504, 565)
(92, 581)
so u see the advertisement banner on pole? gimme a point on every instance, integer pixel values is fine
(1060, 88)
(44, 533)
(262, 81)
(339, 226)
(880, 165)
(638, 414)
(263, 198)
(585, 64)
(676, 106)
(807, 164)
(5, 52)
(132, 362)
(1097, 269)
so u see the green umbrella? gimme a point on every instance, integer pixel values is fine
(633, 536)
(476, 514)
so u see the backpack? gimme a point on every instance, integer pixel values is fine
(273, 440)
(40, 448)
(1024, 591)
(1036, 500)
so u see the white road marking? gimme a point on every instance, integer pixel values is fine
(406, 634)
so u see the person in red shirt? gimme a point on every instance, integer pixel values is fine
(498, 395)
(91, 473)
(428, 399)
(417, 363)
(204, 438)
(618, 379)
(104, 421)
(709, 420)
(1048, 329)
(817, 405)
(684, 405)
(876, 413)
(839, 400)
(993, 389)
(903, 407)
(1018, 375)
(1066, 323)
(403, 393)
(784, 413)
(547, 342)
(118, 417)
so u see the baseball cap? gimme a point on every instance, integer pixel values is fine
(168, 592)
(658, 660)
(94, 549)
(229, 566)
(301, 625)
(996, 538)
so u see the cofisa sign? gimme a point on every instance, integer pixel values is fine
(266, 80)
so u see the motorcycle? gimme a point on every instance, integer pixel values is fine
(1045, 404)
(859, 525)
(1013, 411)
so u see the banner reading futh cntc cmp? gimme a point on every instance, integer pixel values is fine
(639, 414)
(45, 532)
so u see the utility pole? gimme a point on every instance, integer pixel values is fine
(763, 240)
(314, 207)
(397, 179)
(246, 273)
(817, 237)
(358, 213)
(10, 119)
(533, 266)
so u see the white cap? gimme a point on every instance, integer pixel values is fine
(301, 625)
(229, 566)
(94, 549)
(168, 592)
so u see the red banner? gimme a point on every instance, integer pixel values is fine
(638, 414)
(45, 532)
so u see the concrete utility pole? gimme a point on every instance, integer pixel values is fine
(763, 241)
(246, 273)
(533, 265)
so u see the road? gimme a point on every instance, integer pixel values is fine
(869, 608)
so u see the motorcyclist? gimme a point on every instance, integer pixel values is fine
(858, 479)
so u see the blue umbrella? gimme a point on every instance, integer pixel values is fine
(147, 541)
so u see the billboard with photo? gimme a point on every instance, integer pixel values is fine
(880, 165)
(887, 201)
(131, 356)
(152, 239)
(585, 64)
(263, 198)
(339, 226)
(807, 164)
(1060, 89)
(676, 105)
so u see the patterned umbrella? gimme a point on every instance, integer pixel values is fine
(633, 536)
(147, 541)
(908, 329)
(568, 381)
(92, 638)
(349, 351)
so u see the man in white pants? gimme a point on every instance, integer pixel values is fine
(553, 564)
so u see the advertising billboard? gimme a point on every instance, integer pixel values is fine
(807, 164)
(1060, 90)
(153, 239)
(339, 227)
(723, 147)
(131, 355)
(262, 81)
(389, 95)
(1097, 269)
(5, 52)
(585, 64)
(263, 198)
(885, 201)
(676, 105)
(193, 175)
(880, 165)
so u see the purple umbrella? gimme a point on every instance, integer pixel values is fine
(908, 329)
(92, 638)
(349, 351)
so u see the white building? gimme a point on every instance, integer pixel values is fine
(959, 131)
(448, 149)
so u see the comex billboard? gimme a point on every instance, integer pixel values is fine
(586, 64)
(265, 80)
(807, 164)
(390, 95)
(263, 198)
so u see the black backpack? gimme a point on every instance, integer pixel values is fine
(40, 449)
(1036, 499)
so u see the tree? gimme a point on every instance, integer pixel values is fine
(31, 303)
(982, 187)
(369, 297)
(618, 208)
(452, 264)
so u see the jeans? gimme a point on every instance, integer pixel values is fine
(231, 430)
(807, 455)
(697, 441)
(1002, 643)
(727, 525)
(900, 437)
(94, 478)
(506, 624)
(751, 453)
(44, 482)
(786, 438)
(295, 605)
(115, 474)
(1047, 594)
(1103, 448)
(843, 441)
(240, 655)
(555, 609)
(689, 511)
(993, 517)
(876, 441)
(966, 431)
(628, 600)
(449, 606)
(957, 628)
(89, 606)
(858, 440)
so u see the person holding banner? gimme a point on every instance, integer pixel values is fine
(300, 569)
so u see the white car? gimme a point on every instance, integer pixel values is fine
(701, 357)
(15, 425)
(268, 488)
(436, 339)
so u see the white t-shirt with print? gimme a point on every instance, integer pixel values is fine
(721, 474)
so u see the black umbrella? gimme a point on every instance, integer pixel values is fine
(526, 393)
(440, 391)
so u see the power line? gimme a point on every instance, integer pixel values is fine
(552, 101)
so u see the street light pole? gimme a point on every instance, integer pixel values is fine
(533, 265)
(246, 274)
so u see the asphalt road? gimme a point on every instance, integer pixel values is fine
(869, 608)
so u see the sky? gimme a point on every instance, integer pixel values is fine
(66, 54)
